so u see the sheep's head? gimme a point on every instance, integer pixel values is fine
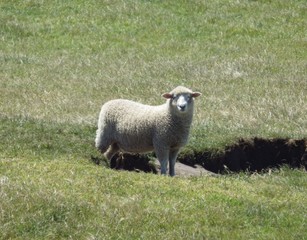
(181, 98)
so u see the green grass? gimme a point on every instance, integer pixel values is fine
(60, 60)
(45, 140)
(64, 199)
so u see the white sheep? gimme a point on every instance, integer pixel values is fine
(129, 126)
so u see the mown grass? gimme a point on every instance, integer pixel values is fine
(61, 60)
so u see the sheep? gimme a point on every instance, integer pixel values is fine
(128, 126)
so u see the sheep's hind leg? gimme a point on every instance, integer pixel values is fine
(113, 149)
(102, 148)
(101, 143)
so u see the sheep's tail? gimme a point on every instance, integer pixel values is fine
(100, 141)
(98, 138)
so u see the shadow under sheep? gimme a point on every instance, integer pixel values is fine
(253, 155)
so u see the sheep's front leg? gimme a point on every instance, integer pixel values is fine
(163, 157)
(172, 160)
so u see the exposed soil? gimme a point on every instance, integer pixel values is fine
(252, 155)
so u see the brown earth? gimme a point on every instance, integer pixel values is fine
(252, 155)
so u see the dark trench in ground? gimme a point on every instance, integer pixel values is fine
(253, 155)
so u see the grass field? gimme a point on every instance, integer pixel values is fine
(60, 60)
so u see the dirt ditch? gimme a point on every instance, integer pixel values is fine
(254, 155)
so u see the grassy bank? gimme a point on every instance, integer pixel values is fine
(64, 199)
(60, 60)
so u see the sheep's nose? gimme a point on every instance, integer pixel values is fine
(181, 107)
(181, 104)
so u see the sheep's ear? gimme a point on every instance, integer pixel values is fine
(167, 95)
(196, 94)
